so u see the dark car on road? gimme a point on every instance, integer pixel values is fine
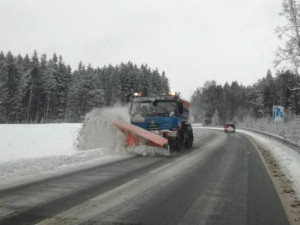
(229, 127)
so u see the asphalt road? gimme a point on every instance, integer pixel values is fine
(222, 180)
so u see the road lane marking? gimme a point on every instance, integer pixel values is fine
(114, 191)
(160, 168)
(182, 158)
(67, 217)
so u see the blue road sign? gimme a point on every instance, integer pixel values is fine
(278, 113)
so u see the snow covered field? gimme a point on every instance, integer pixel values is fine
(24, 141)
(30, 152)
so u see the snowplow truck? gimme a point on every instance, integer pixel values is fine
(158, 121)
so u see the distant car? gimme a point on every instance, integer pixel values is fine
(229, 127)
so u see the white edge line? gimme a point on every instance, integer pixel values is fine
(160, 168)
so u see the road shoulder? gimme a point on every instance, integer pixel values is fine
(281, 183)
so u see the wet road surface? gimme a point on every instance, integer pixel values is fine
(222, 180)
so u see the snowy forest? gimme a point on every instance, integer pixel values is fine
(217, 104)
(41, 90)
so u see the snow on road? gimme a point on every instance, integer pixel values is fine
(30, 152)
(288, 159)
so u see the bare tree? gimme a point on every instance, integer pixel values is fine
(289, 33)
(289, 53)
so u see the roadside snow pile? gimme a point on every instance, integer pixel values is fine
(25, 170)
(288, 159)
(289, 130)
(98, 131)
(149, 151)
(23, 141)
(196, 126)
(34, 151)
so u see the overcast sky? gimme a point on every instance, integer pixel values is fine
(191, 40)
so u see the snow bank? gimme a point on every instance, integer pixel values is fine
(36, 140)
(148, 151)
(288, 159)
(289, 130)
(27, 170)
(205, 128)
(34, 151)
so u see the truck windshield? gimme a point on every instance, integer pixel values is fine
(153, 108)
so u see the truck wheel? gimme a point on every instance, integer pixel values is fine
(188, 143)
(189, 137)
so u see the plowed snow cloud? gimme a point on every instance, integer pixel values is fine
(98, 131)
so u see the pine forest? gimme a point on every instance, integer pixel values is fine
(41, 90)
(214, 104)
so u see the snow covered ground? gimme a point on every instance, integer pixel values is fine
(289, 130)
(30, 152)
(24, 141)
(35, 151)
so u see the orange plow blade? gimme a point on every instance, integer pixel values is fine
(134, 134)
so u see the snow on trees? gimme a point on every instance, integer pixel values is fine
(290, 34)
(235, 102)
(288, 54)
(36, 90)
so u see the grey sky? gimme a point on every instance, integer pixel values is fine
(192, 41)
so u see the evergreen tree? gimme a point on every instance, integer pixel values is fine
(115, 87)
(4, 91)
(34, 108)
(41, 90)
(63, 80)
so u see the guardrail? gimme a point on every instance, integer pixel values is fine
(290, 144)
